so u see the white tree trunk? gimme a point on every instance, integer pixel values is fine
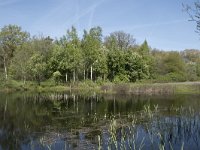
(74, 75)
(91, 72)
(66, 77)
(84, 74)
(5, 68)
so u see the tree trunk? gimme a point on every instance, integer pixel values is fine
(74, 75)
(84, 74)
(91, 73)
(66, 77)
(5, 68)
(24, 80)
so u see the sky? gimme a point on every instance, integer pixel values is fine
(163, 23)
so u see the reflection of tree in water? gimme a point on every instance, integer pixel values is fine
(12, 134)
(72, 120)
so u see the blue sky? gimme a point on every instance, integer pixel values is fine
(161, 22)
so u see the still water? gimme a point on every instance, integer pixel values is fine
(40, 121)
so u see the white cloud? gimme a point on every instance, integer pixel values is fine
(88, 11)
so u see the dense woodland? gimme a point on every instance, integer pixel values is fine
(115, 58)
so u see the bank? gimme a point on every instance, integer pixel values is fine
(107, 87)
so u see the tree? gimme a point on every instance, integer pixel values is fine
(66, 56)
(190, 55)
(129, 66)
(136, 67)
(11, 37)
(198, 68)
(37, 67)
(59, 61)
(194, 13)
(91, 46)
(173, 63)
(73, 48)
(19, 66)
(144, 49)
(56, 77)
(116, 63)
(100, 67)
(169, 66)
(119, 40)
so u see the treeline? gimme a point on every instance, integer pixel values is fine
(115, 58)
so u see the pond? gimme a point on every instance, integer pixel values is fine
(40, 121)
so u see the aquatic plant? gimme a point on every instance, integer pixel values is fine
(154, 132)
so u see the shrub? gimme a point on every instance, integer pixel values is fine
(121, 78)
(57, 76)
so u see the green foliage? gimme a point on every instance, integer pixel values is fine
(37, 67)
(58, 60)
(144, 49)
(116, 63)
(171, 77)
(19, 67)
(116, 59)
(136, 67)
(169, 66)
(173, 63)
(198, 68)
(191, 72)
(121, 78)
(11, 37)
(57, 76)
(100, 66)
(129, 64)
(91, 45)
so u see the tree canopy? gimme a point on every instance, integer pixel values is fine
(71, 58)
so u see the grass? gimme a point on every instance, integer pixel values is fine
(106, 87)
(150, 131)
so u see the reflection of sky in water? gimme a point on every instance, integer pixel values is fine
(63, 121)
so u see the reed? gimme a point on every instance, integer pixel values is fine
(155, 132)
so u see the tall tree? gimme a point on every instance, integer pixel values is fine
(119, 40)
(59, 61)
(19, 65)
(144, 49)
(37, 67)
(91, 45)
(66, 56)
(116, 63)
(73, 48)
(41, 50)
(11, 37)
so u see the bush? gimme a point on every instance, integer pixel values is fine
(171, 77)
(121, 78)
(57, 76)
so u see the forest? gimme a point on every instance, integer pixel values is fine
(71, 58)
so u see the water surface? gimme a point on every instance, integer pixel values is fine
(73, 121)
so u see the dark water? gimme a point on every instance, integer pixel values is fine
(71, 121)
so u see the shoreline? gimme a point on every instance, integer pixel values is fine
(112, 88)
